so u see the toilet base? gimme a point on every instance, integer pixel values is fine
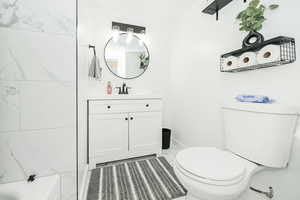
(200, 191)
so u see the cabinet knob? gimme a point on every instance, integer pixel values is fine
(126, 118)
(108, 107)
(147, 105)
(131, 118)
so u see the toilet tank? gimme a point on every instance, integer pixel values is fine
(262, 133)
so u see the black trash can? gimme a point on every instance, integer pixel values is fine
(166, 138)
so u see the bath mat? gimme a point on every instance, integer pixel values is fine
(150, 179)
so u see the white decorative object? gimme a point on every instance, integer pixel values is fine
(231, 62)
(270, 53)
(121, 129)
(247, 59)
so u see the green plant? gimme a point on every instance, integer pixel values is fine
(252, 18)
(144, 60)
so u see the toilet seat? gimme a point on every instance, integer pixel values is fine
(211, 166)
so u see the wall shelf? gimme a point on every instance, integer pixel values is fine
(215, 7)
(287, 54)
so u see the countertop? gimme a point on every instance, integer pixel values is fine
(122, 97)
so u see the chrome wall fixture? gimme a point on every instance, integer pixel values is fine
(269, 194)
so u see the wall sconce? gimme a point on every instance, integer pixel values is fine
(116, 33)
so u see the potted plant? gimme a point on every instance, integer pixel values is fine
(252, 19)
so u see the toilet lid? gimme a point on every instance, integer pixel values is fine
(211, 163)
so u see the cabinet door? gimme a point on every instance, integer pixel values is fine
(145, 133)
(108, 137)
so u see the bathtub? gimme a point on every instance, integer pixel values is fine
(45, 188)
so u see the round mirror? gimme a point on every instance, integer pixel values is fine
(128, 57)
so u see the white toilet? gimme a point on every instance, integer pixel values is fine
(258, 136)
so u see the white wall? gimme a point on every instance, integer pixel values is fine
(95, 26)
(198, 88)
(95, 19)
(194, 87)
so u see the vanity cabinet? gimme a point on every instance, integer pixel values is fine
(121, 129)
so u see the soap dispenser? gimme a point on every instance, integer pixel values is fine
(109, 88)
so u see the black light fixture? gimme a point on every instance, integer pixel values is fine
(125, 27)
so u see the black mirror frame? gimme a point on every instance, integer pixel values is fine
(118, 75)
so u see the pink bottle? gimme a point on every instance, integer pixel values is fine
(109, 88)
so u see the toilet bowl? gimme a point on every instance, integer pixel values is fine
(257, 136)
(214, 174)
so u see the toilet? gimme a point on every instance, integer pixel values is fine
(257, 137)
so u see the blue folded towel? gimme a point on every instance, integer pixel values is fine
(253, 99)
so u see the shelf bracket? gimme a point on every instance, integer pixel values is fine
(217, 13)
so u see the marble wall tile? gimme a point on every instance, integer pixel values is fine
(9, 169)
(37, 91)
(42, 152)
(47, 105)
(37, 57)
(38, 16)
(9, 106)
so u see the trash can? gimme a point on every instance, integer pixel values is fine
(166, 138)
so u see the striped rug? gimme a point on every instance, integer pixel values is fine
(151, 179)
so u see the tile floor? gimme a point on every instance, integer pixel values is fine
(170, 154)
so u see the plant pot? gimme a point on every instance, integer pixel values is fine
(252, 39)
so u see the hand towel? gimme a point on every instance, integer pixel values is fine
(253, 99)
(95, 70)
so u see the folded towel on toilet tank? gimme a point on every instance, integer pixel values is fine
(253, 98)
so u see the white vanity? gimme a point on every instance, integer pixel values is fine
(123, 126)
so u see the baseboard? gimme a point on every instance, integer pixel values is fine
(179, 144)
(84, 183)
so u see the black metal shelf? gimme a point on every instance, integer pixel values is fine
(215, 7)
(277, 41)
(287, 54)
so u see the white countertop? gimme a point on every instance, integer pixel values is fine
(122, 96)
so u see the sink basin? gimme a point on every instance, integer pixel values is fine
(8, 197)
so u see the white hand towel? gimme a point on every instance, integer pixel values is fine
(268, 54)
(95, 70)
(247, 59)
(230, 62)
